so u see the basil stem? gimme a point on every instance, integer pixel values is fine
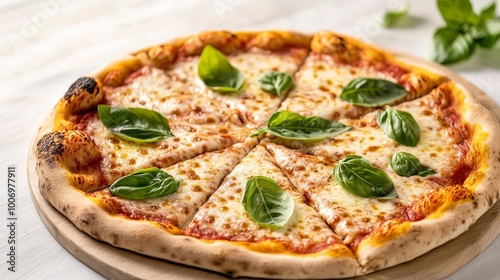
(144, 184)
(266, 202)
(134, 124)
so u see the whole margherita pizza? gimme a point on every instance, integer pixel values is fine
(270, 154)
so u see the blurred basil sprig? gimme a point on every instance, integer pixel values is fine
(464, 30)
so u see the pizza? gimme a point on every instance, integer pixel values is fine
(270, 154)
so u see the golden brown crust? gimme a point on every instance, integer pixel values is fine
(72, 151)
(83, 95)
(115, 74)
(158, 56)
(344, 48)
(164, 55)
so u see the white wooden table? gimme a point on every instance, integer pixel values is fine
(46, 45)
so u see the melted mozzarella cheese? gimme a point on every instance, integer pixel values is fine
(256, 104)
(201, 176)
(349, 215)
(180, 94)
(121, 157)
(366, 139)
(320, 80)
(173, 94)
(318, 86)
(224, 217)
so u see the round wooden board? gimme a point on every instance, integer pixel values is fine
(116, 263)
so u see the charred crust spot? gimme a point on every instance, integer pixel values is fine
(82, 84)
(89, 218)
(95, 234)
(244, 265)
(115, 239)
(271, 272)
(475, 204)
(50, 146)
(218, 260)
(45, 187)
(163, 249)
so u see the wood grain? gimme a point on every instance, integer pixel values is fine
(116, 263)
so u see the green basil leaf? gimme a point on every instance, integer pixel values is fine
(426, 172)
(488, 12)
(266, 203)
(134, 124)
(275, 82)
(370, 92)
(399, 126)
(456, 13)
(144, 184)
(289, 125)
(392, 16)
(487, 33)
(406, 165)
(217, 73)
(358, 176)
(451, 45)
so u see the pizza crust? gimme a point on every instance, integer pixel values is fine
(72, 151)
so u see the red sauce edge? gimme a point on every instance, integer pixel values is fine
(195, 231)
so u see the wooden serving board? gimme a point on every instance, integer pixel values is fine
(116, 263)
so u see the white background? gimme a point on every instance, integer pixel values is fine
(46, 45)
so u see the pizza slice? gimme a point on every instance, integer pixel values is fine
(128, 139)
(340, 73)
(218, 72)
(304, 238)
(378, 191)
(200, 177)
(443, 136)
(351, 216)
(172, 92)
